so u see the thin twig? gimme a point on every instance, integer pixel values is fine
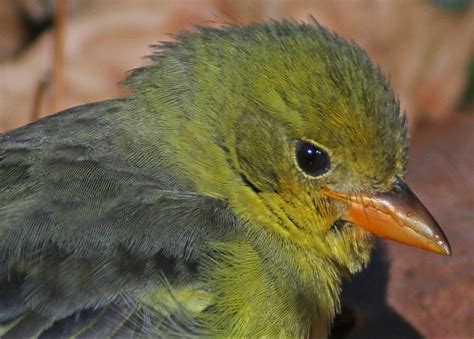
(39, 96)
(58, 67)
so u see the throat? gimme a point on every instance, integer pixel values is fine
(275, 295)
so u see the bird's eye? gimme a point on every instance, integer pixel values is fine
(311, 159)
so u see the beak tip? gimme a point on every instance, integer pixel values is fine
(440, 240)
(446, 248)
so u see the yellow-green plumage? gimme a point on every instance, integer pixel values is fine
(181, 209)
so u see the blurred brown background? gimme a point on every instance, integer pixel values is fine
(425, 47)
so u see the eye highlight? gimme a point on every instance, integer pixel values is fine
(311, 159)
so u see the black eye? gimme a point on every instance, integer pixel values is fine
(311, 159)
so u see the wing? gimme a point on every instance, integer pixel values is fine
(89, 219)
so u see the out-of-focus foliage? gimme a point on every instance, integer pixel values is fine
(454, 5)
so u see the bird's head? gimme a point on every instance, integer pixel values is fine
(296, 129)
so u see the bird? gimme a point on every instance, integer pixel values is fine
(243, 177)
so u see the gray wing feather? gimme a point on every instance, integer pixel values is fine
(86, 217)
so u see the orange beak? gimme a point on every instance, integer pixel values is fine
(398, 215)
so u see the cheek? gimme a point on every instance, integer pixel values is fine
(269, 166)
(308, 210)
(261, 150)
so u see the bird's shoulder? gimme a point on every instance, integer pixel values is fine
(88, 219)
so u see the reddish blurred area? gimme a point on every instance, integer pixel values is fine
(435, 293)
(425, 47)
